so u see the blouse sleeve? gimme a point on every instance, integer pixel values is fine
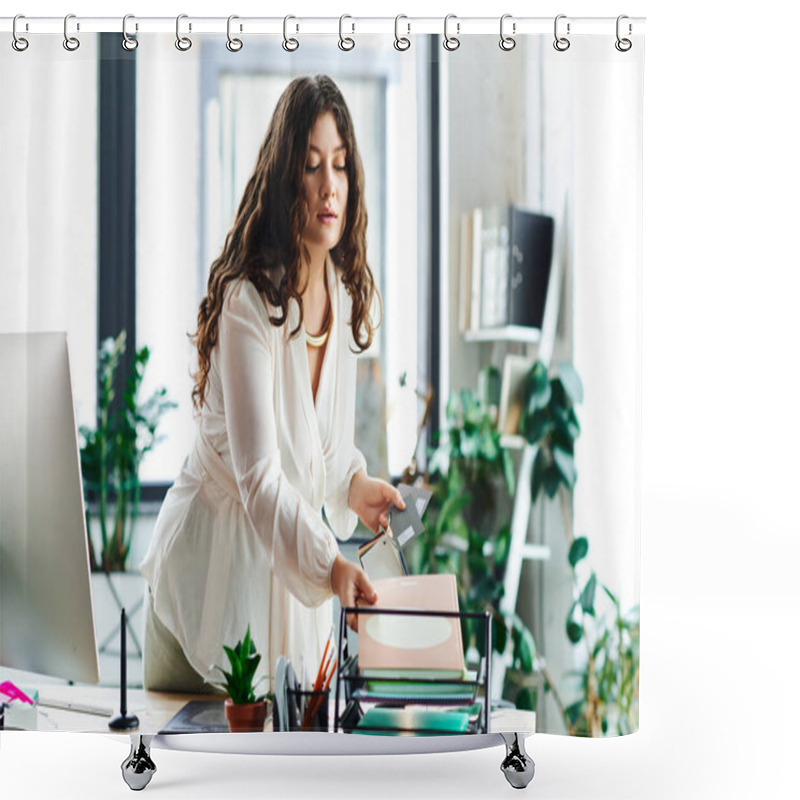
(301, 548)
(340, 516)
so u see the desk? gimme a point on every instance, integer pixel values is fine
(156, 709)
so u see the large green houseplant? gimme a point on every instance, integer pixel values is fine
(467, 528)
(112, 452)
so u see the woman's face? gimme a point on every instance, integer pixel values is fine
(325, 185)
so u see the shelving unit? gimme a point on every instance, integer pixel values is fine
(520, 550)
(357, 695)
(507, 333)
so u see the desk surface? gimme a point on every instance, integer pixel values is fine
(156, 709)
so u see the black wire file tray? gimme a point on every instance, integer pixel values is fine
(402, 705)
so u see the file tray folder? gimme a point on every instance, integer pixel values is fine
(399, 704)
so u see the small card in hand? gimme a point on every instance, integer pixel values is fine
(406, 523)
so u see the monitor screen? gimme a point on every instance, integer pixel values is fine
(46, 615)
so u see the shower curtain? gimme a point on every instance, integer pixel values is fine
(502, 188)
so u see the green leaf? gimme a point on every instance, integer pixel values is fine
(566, 466)
(508, 470)
(587, 595)
(571, 381)
(574, 631)
(537, 475)
(578, 550)
(610, 595)
(537, 388)
(502, 547)
(536, 426)
(525, 699)
(551, 480)
(574, 711)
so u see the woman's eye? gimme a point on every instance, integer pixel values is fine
(312, 167)
(341, 167)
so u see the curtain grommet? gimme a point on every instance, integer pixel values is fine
(623, 44)
(345, 42)
(507, 43)
(289, 44)
(233, 44)
(451, 43)
(19, 43)
(128, 42)
(71, 43)
(401, 43)
(183, 43)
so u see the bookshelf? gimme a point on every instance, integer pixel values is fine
(505, 333)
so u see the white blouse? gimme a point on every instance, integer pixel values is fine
(240, 538)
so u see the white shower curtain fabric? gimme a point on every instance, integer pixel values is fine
(557, 135)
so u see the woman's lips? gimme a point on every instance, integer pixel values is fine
(327, 217)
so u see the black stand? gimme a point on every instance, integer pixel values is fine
(123, 721)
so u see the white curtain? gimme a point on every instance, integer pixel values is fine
(48, 200)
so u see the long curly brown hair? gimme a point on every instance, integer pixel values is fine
(265, 243)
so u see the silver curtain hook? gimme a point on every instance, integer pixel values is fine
(234, 45)
(183, 43)
(345, 43)
(17, 42)
(561, 43)
(289, 44)
(623, 45)
(71, 43)
(451, 42)
(401, 42)
(128, 42)
(507, 42)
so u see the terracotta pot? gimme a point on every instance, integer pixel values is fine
(245, 717)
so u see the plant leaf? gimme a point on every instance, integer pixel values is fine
(587, 595)
(578, 550)
(565, 463)
(537, 388)
(574, 631)
(571, 381)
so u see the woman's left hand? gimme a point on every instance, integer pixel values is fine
(370, 498)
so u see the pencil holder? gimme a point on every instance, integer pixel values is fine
(312, 709)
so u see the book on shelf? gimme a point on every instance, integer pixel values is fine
(401, 642)
(510, 250)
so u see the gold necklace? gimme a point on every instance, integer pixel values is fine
(320, 338)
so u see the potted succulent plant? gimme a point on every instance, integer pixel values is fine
(245, 712)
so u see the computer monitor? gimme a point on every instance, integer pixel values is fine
(46, 614)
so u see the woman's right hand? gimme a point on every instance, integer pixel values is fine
(351, 585)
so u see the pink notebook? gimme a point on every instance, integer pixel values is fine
(390, 641)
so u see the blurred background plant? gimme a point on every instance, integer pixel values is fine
(468, 532)
(112, 452)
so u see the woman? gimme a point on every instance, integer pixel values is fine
(240, 539)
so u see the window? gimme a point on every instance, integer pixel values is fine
(201, 117)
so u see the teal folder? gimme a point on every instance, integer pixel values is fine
(412, 722)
